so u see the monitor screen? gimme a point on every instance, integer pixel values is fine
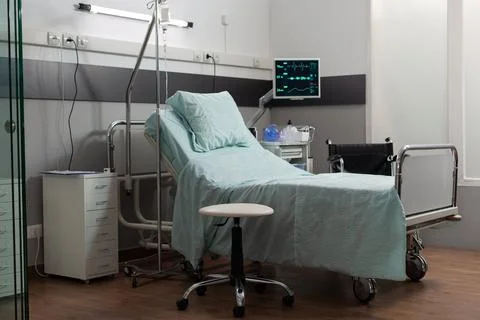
(296, 78)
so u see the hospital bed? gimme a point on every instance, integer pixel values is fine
(354, 224)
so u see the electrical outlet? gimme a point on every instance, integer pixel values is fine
(207, 54)
(216, 56)
(65, 40)
(82, 42)
(197, 56)
(53, 39)
(34, 231)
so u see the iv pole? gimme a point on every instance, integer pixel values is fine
(160, 17)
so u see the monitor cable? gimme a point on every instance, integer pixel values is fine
(73, 104)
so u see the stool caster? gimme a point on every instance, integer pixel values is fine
(182, 304)
(288, 300)
(238, 312)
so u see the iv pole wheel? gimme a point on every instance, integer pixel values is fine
(134, 280)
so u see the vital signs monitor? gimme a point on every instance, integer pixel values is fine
(296, 78)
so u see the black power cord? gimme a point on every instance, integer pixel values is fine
(209, 56)
(73, 104)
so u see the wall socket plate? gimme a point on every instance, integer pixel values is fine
(197, 56)
(54, 39)
(216, 56)
(34, 231)
(68, 44)
(82, 42)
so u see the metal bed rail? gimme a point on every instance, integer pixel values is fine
(435, 216)
(145, 224)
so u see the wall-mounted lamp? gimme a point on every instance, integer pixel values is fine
(164, 21)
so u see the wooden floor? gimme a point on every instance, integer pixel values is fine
(450, 290)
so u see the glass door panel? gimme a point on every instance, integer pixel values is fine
(13, 280)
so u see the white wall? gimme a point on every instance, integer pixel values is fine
(408, 71)
(471, 102)
(247, 32)
(337, 32)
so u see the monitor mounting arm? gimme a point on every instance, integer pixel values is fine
(266, 98)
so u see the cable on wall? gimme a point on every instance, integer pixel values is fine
(73, 104)
(209, 56)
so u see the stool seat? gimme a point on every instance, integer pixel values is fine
(236, 210)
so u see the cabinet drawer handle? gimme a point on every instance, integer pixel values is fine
(2, 285)
(3, 250)
(3, 231)
(3, 194)
(104, 250)
(2, 268)
(103, 266)
(100, 187)
(99, 203)
(2, 213)
(101, 219)
(103, 234)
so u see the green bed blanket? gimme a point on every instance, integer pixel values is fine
(348, 223)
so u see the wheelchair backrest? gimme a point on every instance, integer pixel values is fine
(367, 158)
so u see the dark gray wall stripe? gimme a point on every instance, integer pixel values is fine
(42, 80)
(98, 83)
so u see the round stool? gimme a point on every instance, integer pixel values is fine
(237, 276)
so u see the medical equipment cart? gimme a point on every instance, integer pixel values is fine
(297, 153)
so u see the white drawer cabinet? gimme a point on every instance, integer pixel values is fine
(80, 214)
(10, 238)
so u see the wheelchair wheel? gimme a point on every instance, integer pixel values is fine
(364, 289)
(416, 266)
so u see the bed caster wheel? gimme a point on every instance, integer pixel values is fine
(127, 271)
(182, 304)
(238, 312)
(260, 287)
(201, 291)
(364, 289)
(86, 281)
(288, 300)
(416, 267)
